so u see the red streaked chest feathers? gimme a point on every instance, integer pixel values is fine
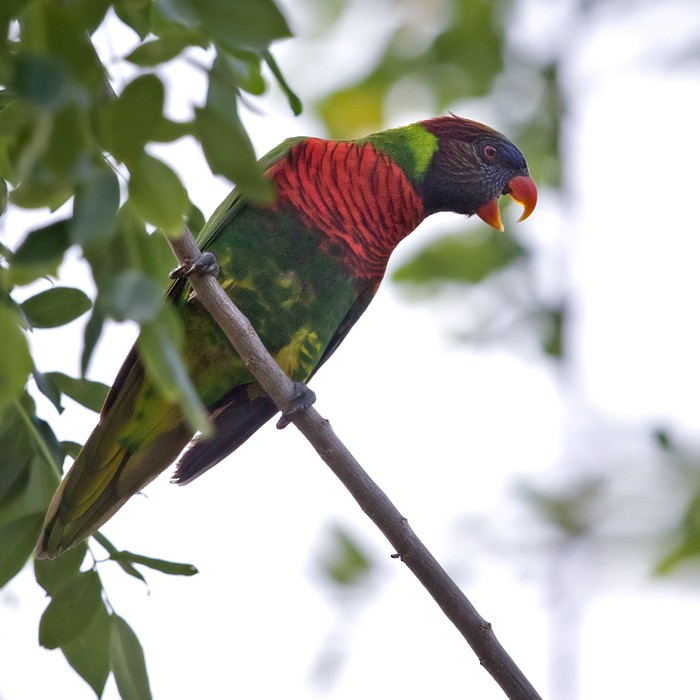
(354, 194)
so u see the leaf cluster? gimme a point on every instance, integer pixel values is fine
(72, 143)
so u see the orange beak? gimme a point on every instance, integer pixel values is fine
(522, 190)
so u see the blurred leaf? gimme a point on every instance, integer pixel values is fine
(41, 252)
(95, 207)
(128, 662)
(93, 331)
(157, 194)
(31, 459)
(245, 70)
(133, 295)
(52, 574)
(552, 342)
(462, 258)
(663, 439)
(86, 392)
(48, 389)
(166, 567)
(15, 360)
(56, 307)
(294, 101)
(354, 111)
(63, 620)
(158, 345)
(166, 47)
(43, 81)
(247, 24)
(90, 652)
(71, 448)
(687, 536)
(17, 540)
(17, 454)
(571, 511)
(3, 197)
(135, 14)
(345, 564)
(131, 121)
(226, 144)
(195, 220)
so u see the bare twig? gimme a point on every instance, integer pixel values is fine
(369, 496)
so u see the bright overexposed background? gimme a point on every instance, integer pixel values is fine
(447, 429)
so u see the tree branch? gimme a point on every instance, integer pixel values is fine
(369, 496)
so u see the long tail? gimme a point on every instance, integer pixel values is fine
(114, 464)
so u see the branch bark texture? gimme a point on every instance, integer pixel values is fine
(365, 491)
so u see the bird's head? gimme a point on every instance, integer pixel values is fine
(471, 168)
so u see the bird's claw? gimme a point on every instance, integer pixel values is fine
(205, 264)
(303, 398)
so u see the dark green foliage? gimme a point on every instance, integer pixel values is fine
(460, 258)
(55, 307)
(89, 653)
(15, 361)
(63, 620)
(64, 134)
(128, 662)
(166, 567)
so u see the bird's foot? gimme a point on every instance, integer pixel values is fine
(205, 264)
(303, 398)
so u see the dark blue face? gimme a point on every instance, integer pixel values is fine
(505, 154)
(467, 173)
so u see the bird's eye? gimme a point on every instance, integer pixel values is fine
(490, 152)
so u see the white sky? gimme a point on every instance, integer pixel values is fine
(446, 430)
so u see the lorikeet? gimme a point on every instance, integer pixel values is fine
(303, 269)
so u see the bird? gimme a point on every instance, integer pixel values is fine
(303, 268)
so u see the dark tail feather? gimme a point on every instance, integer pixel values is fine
(236, 417)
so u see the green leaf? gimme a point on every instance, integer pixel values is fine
(43, 81)
(462, 258)
(128, 662)
(224, 140)
(64, 619)
(56, 307)
(48, 389)
(3, 196)
(345, 564)
(229, 152)
(17, 540)
(15, 360)
(131, 121)
(133, 295)
(112, 550)
(90, 653)
(166, 567)
(72, 449)
(52, 574)
(135, 14)
(40, 253)
(95, 208)
(93, 331)
(244, 24)
(292, 98)
(157, 194)
(17, 453)
(245, 67)
(158, 346)
(167, 46)
(86, 392)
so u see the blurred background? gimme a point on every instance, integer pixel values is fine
(529, 400)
